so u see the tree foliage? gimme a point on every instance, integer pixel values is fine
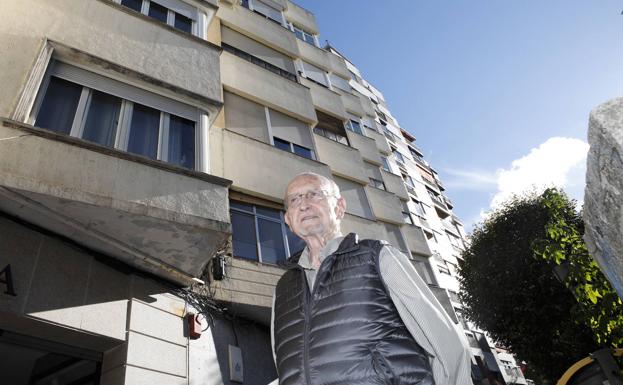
(509, 287)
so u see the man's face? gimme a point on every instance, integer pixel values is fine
(313, 217)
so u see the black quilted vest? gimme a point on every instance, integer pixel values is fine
(346, 330)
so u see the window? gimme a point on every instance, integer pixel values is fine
(264, 9)
(354, 126)
(294, 148)
(257, 53)
(423, 267)
(340, 82)
(259, 62)
(331, 135)
(99, 116)
(419, 208)
(260, 234)
(303, 35)
(385, 162)
(177, 14)
(406, 216)
(399, 158)
(315, 74)
(355, 196)
(377, 184)
(443, 268)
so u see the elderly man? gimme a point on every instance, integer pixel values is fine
(356, 312)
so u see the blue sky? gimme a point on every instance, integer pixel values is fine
(497, 93)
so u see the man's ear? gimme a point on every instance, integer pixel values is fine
(340, 208)
(286, 217)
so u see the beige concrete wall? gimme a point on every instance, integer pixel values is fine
(326, 100)
(366, 229)
(314, 55)
(146, 213)
(236, 157)
(248, 283)
(385, 205)
(381, 142)
(395, 184)
(344, 161)
(416, 241)
(352, 104)
(105, 31)
(264, 87)
(366, 146)
(337, 65)
(259, 28)
(366, 104)
(301, 17)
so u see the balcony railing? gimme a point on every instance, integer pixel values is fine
(437, 200)
(259, 62)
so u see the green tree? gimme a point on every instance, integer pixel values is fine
(510, 289)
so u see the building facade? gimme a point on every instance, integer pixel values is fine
(144, 149)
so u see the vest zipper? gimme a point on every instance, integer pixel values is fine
(306, 330)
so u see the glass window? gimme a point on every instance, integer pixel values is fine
(282, 144)
(102, 119)
(243, 235)
(309, 38)
(102, 115)
(299, 33)
(354, 126)
(377, 183)
(182, 142)
(385, 164)
(58, 108)
(183, 23)
(303, 151)
(295, 243)
(419, 208)
(407, 218)
(133, 4)
(158, 12)
(144, 131)
(271, 241)
(271, 229)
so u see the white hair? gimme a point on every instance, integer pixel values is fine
(334, 189)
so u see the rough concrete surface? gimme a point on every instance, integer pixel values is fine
(603, 197)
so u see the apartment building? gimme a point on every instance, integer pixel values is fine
(144, 149)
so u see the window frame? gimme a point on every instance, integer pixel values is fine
(325, 134)
(375, 183)
(291, 145)
(90, 81)
(256, 217)
(171, 15)
(303, 32)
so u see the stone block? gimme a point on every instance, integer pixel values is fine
(158, 323)
(603, 197)
(151, 353)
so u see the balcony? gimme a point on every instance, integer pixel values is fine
(326, 100)
(338, 66)
(385, 205)
(227, 160)
(314, 55)
(416, 241)
(438, 201)
(366, 146)
(248, 288)
(344, 161)
(447, 201)
(259, 28)
(301, 17)
(394, 184)
(157, 217)
(257, 83)
(381, 142)
(368, 106)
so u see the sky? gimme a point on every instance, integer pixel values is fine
(497, 93)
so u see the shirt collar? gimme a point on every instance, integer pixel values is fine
(327, 250)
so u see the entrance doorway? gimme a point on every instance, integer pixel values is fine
(26, 360)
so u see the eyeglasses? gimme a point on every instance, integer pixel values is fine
(295, 200)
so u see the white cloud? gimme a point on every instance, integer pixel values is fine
(559, 162)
